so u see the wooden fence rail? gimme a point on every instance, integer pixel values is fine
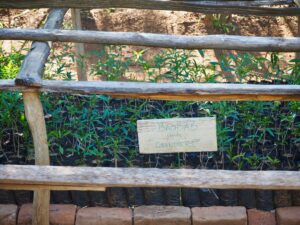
(228, 42)
(76, 178)
(165, 91)
(229, 7)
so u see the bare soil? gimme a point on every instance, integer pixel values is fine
(168, 22)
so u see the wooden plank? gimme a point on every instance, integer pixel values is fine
(166, 91)
(229, 42)
(225, 6)
(147, 177)
(46, 187)
(177, 135)
(31, 71)
(80, 65)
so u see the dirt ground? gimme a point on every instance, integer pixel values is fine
(168, 22)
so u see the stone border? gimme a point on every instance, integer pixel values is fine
(69, 214)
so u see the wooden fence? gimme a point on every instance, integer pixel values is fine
(42, 178)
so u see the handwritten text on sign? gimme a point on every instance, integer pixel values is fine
(177, 135)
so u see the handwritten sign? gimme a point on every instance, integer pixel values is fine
(177, 135)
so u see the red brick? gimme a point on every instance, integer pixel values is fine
(8, 214)
(162, 215)
(258, 217)
(59, 214)
(288, 216)
(25, 215)
(219, 215)
(104, 216)
(62, 214)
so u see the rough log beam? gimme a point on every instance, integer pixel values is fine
(44, 187)
(230, 7)
(31, 71)
(146, 177)
(166, 91)
(230, 42)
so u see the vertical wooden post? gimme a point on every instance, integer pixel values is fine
(35, 117)
(298, 34)
(80, 64)
(30, 74)
(297, 2)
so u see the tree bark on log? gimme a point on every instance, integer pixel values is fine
(254, 7)
(166, 91)
(227, 42)
(31, 71)
(35, 118)
(80, 53)
(94, 177)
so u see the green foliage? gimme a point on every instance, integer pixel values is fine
(181, 66)
(14, 132)
(222, 23)
(9, 64)
(59, 64)
(173, 65)
(112, 65)
(102, 130)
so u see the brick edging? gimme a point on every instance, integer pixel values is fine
(151, 215)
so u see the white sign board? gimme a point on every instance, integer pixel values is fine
(177, 135)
